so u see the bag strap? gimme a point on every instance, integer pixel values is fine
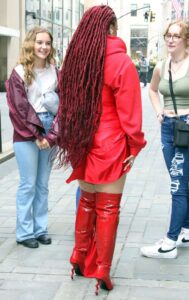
(171, 89)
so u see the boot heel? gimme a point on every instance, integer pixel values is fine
(72, 273)
(76, 270)
(103, 285)
(97, 287)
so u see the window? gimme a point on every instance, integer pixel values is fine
(57, 38)
(67, 13)
(32, 14)
(75, 13)
(61, 17)
(81, 10)
(57, 12)
(46, 10)
(139, 32)
(139, 40)
(133, 10)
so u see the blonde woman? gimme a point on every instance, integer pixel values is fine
(34, 135)
(176, 158)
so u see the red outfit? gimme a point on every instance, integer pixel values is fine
(119, 134)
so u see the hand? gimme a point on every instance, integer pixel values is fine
(160, 117)
(129, 161)
(42, 145)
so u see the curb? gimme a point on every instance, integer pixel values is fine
(5, 156)
(7, 152)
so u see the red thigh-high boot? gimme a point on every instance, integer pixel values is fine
(84, 231)
(107, 210)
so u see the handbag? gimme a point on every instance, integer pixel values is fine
(181, 128)
(50, 101)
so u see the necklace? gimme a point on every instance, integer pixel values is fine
(178, 65)
(175, 61)
(178, 61)
(177, 69)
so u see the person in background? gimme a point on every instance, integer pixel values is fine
(77, 197)
(176, 158)
(34, 134)
(143, 63)
(100, 120)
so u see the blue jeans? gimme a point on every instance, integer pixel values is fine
(177, 162)
(78, 194)
(32, 194)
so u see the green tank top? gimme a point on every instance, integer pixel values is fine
(180, 88)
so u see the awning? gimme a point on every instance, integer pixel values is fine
(6, 31)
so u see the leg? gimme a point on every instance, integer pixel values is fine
(145, 78)
(186, 221)
(40, 204)
(84, 231)
(107, 209)
(78, 194)
(84, 254)
(108, 197)
(179, 190)
(27, 159)
(142, 77)
(165, 248)
(177, 160)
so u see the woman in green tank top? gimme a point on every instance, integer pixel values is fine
(176, 38)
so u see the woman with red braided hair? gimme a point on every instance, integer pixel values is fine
(100, 135)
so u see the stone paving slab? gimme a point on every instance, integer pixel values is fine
(44, 273)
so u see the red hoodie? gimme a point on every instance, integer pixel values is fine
(120, 131)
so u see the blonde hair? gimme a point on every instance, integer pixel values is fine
(27, 56)
(184, 28)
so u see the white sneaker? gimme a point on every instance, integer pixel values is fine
(165, 248)
(183, 238)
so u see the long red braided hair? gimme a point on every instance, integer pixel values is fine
(81, 83)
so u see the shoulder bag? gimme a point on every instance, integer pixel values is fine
(50, 99)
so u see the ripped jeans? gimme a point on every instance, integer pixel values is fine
(177, 162)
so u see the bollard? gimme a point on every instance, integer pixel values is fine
(0, 135)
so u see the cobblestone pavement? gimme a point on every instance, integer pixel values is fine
(44, 273)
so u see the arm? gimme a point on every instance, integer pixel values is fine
(52, 135)
(154, 94)
(20, 109)
(129, 106)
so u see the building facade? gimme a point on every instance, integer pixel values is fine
(141, 23)
(61, 17)
(140, 33)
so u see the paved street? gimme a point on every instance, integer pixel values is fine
(44, 273)
(6, 125)
(6, 129)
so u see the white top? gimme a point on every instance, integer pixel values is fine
(45, 80)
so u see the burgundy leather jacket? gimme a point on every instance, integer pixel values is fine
(26, 123)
